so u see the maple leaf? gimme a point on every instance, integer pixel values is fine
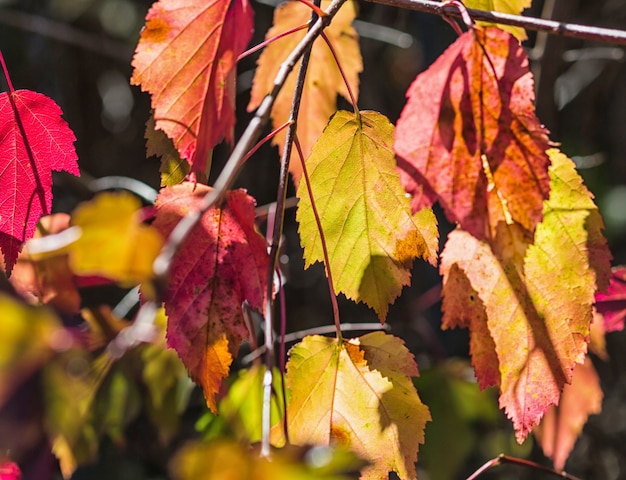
(222, 263)
(185, 59)
(513, 7)
(34, 140)
(612, 303)
(328, 378)
(529, 304)
(470, 117)
(114, 243)
(562, 425)
(323, 79)
(371, 236)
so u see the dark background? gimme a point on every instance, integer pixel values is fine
(78, 52)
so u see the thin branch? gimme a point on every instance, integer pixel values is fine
(323, 330)
(501, 459)
(343, 74)
(277, 230)
(598, 34)
(163, 262)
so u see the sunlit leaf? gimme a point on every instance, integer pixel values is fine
(358, 393)
(323, 79)
(186, 60)
(173, 168)
(371, 235)
(34, 141)
(469, 129)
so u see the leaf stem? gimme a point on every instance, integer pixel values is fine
(265, 140)
(314, 7)
(273, 39)
(343, 74)
(501, 459)
(586, 32)
(329, 276)
(6, 72)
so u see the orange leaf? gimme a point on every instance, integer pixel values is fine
(469, 128)
(323, 79)
(222, 263)
(562, 425)
(186, 60)
(529, 302)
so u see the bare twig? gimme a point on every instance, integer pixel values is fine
(500, 459)
(277, 230)
(556, 28)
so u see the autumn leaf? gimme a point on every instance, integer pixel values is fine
(513, 7)
(371, 235)
(9, 471)
(34, 140)
(323, 79)
(173, 168)
(186, 60)
(227, 459)
(114, 242)
(47, 279)
(221, 264)
(562, 425)
(529, 305)
(328, 378)
(612, 303)
(468, 128)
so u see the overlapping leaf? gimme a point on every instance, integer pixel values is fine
(323, 80)
(371, 235)
(562, 425)
(612, 303)
(222, 263)
(34, 140)
(468, 127)
(358, 393)
(513, 7)
(173, 168)
(529, 305)
(185, 59)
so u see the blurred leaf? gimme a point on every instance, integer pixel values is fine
(114, 242)
(243, 405)
(229, 460)
(29, 337)
(459, 409)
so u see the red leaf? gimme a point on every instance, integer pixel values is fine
(470, 117)
(34, 140)
(222, 263)
(185, 59)
(10, 471)
(612, 303)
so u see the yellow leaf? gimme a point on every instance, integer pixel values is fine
(358, 393)
(513, 7)
(114, 243)
(323, 78)
(371, 235)
(173, 168)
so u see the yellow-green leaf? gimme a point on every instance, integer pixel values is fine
(358, 393)
(371, 235)
(514, 7)
(114, 243)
